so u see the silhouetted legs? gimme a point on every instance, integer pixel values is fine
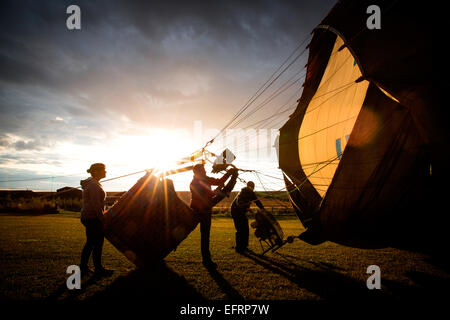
(205, 222)
(242, 231)
(205, 231)
(94, 244)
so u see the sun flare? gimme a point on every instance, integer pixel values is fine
(160, 149)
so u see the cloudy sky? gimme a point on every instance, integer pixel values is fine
(141, 84)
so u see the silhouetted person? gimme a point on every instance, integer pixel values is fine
(91, 217)
(239, 208)
(202, 201)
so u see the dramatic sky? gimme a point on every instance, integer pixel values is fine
(141, 84)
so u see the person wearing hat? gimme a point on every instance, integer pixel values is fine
(91, 217)
(239, 208)
(202, 201)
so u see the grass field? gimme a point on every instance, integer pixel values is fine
(36, 250)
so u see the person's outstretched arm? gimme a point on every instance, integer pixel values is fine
(256, 200)
(220, 181)
(202, 189)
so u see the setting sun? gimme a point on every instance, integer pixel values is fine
(160, 149)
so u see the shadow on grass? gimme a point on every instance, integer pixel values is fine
(327, 283)
(72, 294)
(433, 286)
(292, 259)
(224, 285)
(158, 283)
(439, 259)
(26, 213)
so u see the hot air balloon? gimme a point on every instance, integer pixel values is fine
(149, 221)
(358, 155)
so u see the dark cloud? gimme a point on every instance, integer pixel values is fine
(141, 43)
(32, 157)
(9, 179)
(30, 145)
(4, 142)
(136, 64)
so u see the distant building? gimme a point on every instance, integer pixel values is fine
(69, 193)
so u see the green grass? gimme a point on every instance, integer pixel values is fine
(36, 250)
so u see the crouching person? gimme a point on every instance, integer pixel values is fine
(239, 209)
